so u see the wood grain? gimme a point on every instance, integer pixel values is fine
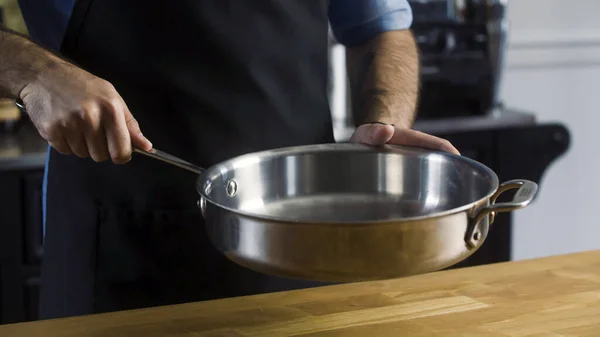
(554, 296)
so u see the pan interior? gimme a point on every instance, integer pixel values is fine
(347, 183)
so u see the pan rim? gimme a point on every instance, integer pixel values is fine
(203, 179)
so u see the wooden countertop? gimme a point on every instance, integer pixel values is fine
(555, 296)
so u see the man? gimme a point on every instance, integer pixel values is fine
(206, 81)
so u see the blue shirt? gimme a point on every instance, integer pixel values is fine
(352, 22)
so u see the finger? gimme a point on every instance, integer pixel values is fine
(373, 134)
(117, 135)
(137, 138)
(61, 146)
(97, 144)
(77, 144)
(93, 132)
(416, 138)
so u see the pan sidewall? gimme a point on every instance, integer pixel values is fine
(339, 252)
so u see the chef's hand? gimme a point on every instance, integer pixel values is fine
(79, 113)
(378, 134)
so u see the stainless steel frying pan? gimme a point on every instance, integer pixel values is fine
(349, 212)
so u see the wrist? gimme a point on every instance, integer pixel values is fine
(42, 72)
(21, 63)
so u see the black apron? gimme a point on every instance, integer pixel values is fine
(207, 80)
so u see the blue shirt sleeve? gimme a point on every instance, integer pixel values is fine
(356, 21)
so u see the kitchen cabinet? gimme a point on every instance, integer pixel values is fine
(22, 158)
(20, 243)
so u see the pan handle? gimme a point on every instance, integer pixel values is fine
(170, 159)
(525, 194)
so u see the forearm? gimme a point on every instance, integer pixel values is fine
(21, 61)
(384, 79)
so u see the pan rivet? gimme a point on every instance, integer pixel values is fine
(477, 236)
(231, 188)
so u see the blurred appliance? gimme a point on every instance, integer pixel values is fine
(462, 46)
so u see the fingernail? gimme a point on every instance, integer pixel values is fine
(374, 134)
(373, 130)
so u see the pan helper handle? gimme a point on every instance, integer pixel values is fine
(526, 193)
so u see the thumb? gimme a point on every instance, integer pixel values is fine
(137, 138)
(373, 134)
